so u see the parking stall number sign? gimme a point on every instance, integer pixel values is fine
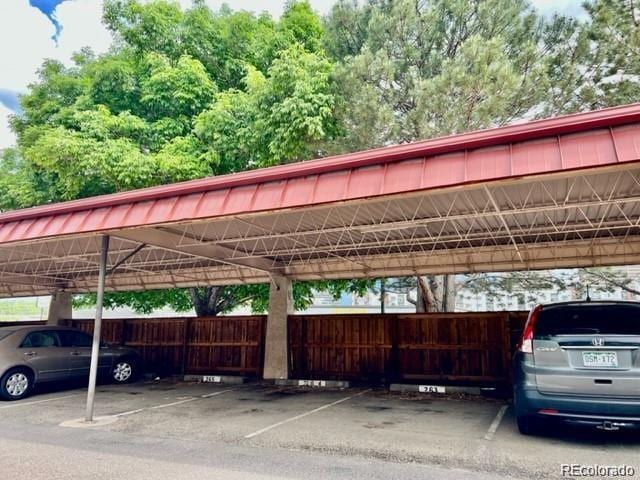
(431, 389)
(312, 383)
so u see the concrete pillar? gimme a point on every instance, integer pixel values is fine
(60, 308)
(276, 349)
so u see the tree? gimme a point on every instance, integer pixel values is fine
(527, 287)
(184, 94)
(180, 95)
(410, 70)
(595, 63)
(421, 69)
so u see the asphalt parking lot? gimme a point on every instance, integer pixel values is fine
(187, 430)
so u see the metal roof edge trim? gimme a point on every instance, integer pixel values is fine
(608, 117)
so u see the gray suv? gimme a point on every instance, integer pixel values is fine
(579, 362)
(34, 355)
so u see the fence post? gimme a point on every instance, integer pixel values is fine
(123, 332)
(506, 345)
(302, 347)
(394, 355)
(185, 344)
(263, 340)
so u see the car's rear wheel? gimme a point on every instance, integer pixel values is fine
(125, 370)
(16, 384)
(526, 425)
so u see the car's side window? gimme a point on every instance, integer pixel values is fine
(40, 339)
(82, 340)
(70, 338)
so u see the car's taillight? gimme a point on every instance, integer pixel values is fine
(526, 343)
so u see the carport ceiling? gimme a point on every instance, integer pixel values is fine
(555, 193)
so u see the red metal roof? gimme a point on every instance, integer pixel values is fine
(585, 140)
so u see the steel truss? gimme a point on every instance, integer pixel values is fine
(582, 218)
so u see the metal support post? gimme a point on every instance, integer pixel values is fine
(95, 347)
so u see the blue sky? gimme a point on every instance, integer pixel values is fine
(48, 8)
(32, 30)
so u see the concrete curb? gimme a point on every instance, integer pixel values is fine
(226, 379)
(97, 422)
(312, 383)
(437, 389)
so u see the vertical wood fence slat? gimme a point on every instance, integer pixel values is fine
(206, 345)
(455, 347)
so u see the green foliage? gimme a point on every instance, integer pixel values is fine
(299, 24)
(527, 284)
(114, 83)
(225, 129)
(181, 95)
(411, 70)
(184, 94)
(140, 302)
(480, 87)
(20, 309)
(185, 89)
(20, 184)
(600, 65)
(414, 70)
(295, 105)
(303, 292)
(220, 300)
(277, 118)
(58, 87)
(155, 26)
(346, 28)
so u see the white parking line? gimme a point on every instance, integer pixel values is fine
(496, 422)
(179, 402)
(302, 415)
(130, 412)
(24, 404)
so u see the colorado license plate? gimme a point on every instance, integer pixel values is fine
(600, 359)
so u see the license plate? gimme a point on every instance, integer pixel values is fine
(600, 359)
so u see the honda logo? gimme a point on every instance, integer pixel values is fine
(598, 342)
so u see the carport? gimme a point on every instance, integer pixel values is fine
(554, 193)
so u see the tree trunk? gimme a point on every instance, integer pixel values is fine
(449, 294)
(436, 293)
(205, 301)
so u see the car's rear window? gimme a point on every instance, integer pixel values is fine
(588, 320)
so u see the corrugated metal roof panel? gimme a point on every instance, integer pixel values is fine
(573, 142)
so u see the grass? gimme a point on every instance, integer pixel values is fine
(21, 309)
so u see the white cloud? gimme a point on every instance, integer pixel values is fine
(565, 7)
(82, 26)
(25, 39)
(7, 138)
(26, 35)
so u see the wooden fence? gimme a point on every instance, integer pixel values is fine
(453, 347)
(444, 347)
(207, 345)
